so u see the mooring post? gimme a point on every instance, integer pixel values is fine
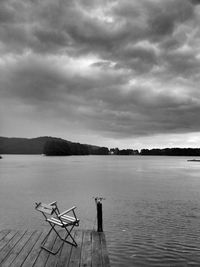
(99, 214)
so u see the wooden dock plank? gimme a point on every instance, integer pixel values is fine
(96, 250)
(9, 246)
(76, 251)
(53, 259)
(33, 249)
(26, 256)
(4, 241)
(3, 233)
(22, 249)
(65, 254)
(44, 255)
(86, 255)
(16, 249)
(105, 257)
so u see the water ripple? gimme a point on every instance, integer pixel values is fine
(156, 234)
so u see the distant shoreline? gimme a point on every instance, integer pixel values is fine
(53, 146)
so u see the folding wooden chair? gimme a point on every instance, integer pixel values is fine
(56, 219)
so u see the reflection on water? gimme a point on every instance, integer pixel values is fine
(151, 211)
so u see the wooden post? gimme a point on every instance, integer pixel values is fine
(99, 214)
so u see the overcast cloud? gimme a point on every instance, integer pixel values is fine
(116, 73)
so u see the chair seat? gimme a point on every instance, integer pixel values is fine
(59, 222)
(68, 218)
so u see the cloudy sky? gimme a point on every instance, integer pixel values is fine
(114, 73)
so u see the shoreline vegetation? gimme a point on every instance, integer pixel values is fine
(52, 146)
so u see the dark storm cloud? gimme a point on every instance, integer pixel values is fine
(195, 2)
(122, 68)
(40, 82)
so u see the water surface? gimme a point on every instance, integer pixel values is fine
(151, 207)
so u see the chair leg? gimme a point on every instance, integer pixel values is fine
(45, 239)
(51, 251)
(73, 243)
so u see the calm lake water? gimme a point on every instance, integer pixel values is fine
(151, 208)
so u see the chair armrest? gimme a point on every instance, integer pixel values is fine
(66, 211)
(53, 203)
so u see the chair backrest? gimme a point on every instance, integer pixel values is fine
(46, 208)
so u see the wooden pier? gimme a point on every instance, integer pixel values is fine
(22, 248)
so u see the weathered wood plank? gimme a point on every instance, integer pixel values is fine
(9, 246)
(25, 253)
(32, 250)
(53, 259)
(86, 255)
(76, 251)
(64, 255)
(16, 249)
(22, 249)
(4, 241)
(96, 250)
(44, 255)
(3, 233)
(105, 257)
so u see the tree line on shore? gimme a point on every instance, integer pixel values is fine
(62, 147)
(66, 148)
(171, 152)
(52, 146)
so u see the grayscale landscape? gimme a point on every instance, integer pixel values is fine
(101, 98)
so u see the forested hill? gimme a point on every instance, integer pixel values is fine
(47, 145)
(22, 145)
